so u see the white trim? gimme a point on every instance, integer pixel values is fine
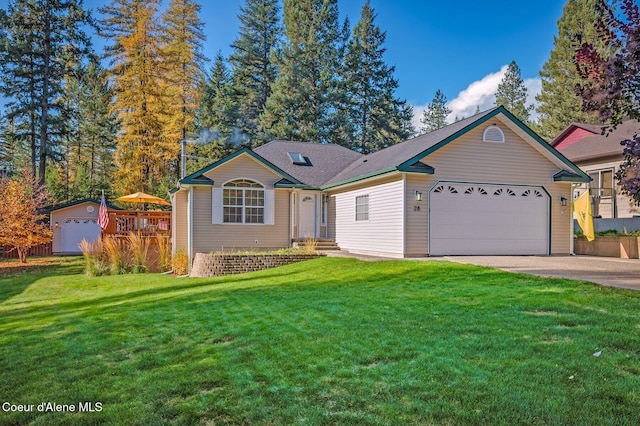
(497, 137)
(190, 254)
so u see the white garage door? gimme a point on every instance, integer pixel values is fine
(488, 219)
(74, 230)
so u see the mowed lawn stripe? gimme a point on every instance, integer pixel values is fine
(328, 341)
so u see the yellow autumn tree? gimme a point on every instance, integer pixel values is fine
(183, 39)
(22, 224)
(142, 155)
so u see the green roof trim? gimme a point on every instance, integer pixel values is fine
(362, 177)
(579, 173)
(195, 178)
(566, 176)
(418, 167)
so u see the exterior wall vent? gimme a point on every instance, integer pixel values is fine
(493, 133)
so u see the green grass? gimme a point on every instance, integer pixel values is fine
(328, 341)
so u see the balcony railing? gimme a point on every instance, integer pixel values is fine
(144, 223)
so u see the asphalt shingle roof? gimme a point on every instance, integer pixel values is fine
(325, 160)
(601, 145)
(395, 155)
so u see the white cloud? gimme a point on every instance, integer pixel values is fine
(481, 93)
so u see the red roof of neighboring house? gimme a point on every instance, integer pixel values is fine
(593, 144)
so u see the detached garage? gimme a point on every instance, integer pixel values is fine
(73, 222)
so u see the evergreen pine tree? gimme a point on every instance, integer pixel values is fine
(301, 104)
(378, 118)
(219, 116)
(41, 43)
(512, 93)
(183, 62)
(559, 105)
(435, 115)
(253, 69)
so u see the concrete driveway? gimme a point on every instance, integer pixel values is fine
(608, 271)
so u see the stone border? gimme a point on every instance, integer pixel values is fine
(215, 265)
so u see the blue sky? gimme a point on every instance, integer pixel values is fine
(460, 47)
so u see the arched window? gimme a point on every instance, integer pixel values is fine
(243, 201)
(493, 133)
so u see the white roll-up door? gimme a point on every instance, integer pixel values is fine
(488, 219)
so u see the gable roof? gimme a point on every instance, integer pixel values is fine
(328, 165)
(407, 155)
(78, 202)
(599, 145)
(198, 177)
(324, 161)
(591, 128)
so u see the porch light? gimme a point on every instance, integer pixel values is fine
(417, 195)
(563, 201)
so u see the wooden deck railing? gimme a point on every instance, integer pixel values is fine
(144, 223)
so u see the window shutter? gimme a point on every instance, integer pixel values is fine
(269, 206)
(216, 207)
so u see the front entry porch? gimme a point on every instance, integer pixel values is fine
(322, 244)
(309, 213)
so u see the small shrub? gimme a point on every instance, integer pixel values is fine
(94, 265)
(138, 250)
(181, 262)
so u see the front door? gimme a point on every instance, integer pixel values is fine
(308, 215)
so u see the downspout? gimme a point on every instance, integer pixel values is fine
(404, 215)
(571, 226)
(190, 226)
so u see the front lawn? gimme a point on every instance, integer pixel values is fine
(328, 341)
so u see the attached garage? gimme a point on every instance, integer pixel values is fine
(488, 219)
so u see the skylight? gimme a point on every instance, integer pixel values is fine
(298, 159)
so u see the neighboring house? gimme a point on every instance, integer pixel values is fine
(600, 157)
(72, 222)
(483, 185)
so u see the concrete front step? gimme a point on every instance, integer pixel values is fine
(321, 244)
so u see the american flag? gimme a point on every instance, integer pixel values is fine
(103, 216)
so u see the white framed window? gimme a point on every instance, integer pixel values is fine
(602, 183)
(243, 201)
(325, 203)
(362, 207)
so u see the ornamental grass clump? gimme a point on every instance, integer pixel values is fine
(310, 244)
(164, 253)
(138, 251)
(94, 258)
(117, 254)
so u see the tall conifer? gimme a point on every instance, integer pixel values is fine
(253, 68)
(435, 115)
(512, 93)
(41, 43)
(301, 103)
(142, 156)
(559, 105)
(378, 118)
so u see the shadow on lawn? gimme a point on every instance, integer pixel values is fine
(15, 280)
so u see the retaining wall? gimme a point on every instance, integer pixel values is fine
(213, 265)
